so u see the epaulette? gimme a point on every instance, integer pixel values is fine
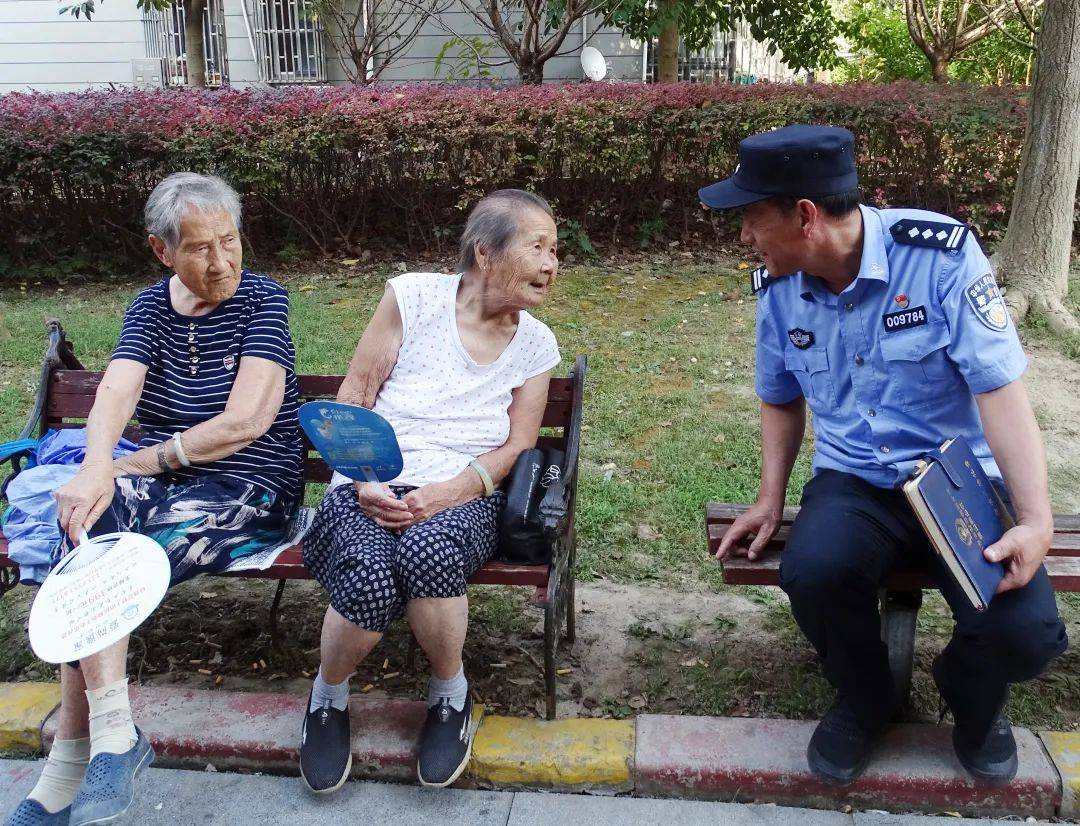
(759, 279)
(933, 234)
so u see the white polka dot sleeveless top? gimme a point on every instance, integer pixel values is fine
(445, 408)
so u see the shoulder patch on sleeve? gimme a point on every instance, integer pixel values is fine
(759, 279)
(934, 234)
(985, 300)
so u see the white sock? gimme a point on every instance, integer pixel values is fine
(456, 690)
(321, 691)
(111, 726)
(62, 775)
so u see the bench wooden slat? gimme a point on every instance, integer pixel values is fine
(71, 395)
(1063, 544)
(1064, 573)
(725, 513)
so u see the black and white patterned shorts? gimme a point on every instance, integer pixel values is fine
(371, 572)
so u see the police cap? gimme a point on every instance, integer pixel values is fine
(800, 160)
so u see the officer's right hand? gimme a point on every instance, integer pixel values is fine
(751, 532)
(378, 502)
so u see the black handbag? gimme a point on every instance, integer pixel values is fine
(521, 530)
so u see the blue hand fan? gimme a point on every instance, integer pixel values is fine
(354, 441)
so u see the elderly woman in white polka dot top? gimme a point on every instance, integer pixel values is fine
(461, 370)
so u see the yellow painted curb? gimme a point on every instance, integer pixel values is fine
(560, 754)
(1064, 749)
(22, 708)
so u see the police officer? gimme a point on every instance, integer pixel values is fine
(889, 326)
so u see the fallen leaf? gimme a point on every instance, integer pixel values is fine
(522, 681)
(562, 672)
(366, 688)
(350, 262)
(743, 265)
(637, 701)
(306, 288)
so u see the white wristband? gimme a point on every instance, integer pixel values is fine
(485, 477)
(179, 445)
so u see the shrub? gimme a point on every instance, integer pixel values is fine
(335, 167)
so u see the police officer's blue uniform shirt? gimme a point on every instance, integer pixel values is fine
(888, 367)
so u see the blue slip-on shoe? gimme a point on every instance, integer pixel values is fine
(32, 813)
(109, 785)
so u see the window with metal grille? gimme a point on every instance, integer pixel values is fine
(286, 37)
(163, 32)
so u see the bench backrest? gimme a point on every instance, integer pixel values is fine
(71, 395)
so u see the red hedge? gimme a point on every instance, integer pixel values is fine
(401, 166)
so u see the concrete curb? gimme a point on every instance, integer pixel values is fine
(1064, 750)
(22, 708)
(655, 755)
(914, 769)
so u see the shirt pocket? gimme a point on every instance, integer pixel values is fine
(917, 365)
(811, 369)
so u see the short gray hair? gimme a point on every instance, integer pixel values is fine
(181, 193)
(494, 221)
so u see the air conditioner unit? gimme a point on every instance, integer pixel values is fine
(147, 73)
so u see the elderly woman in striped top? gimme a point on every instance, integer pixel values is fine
(460, 368)
(205, 363)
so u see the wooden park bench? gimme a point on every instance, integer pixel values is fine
(66, 393)
(902, 595)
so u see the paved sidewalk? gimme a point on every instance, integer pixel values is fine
(174, 797)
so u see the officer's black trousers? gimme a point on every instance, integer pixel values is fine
(847, 538)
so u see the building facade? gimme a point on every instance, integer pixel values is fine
(250, 42)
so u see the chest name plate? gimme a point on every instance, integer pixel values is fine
(902, 319)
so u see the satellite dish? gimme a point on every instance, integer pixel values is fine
(593, 63)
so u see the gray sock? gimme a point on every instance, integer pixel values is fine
(321, 691)
(456, 690)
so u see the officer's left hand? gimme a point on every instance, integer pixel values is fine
(1022, 549)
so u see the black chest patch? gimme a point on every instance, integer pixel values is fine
(902, 319)
(801, 338)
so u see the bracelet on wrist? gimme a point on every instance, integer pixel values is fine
(178, 446)
(485, 477)
(163, 458)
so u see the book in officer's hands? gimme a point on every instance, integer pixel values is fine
(962, 515)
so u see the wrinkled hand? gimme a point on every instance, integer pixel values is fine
(428, 500)
(80, 503)
(759, 524)
(1022, 550)
(378, 502)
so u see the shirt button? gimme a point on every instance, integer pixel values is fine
(859, 360)
(884, 448)
(871, 412)
(849, 306)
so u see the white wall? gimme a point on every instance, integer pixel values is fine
(43, 50)
(40, 49)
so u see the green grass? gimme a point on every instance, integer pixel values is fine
(671, 422)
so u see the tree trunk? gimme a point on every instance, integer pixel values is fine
(1033, 258)
(667, 67)
(531, 73)
(939, 68)
(194, 11)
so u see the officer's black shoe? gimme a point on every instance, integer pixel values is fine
(989, 756)
(325, 749)
(445, 744)
(841, 746)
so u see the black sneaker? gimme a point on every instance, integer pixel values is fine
(325, 749)
(840, 746)
(445, 744)
(989, 756)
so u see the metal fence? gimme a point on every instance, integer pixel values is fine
(287, 40)
(732, 57)
(163, 32)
